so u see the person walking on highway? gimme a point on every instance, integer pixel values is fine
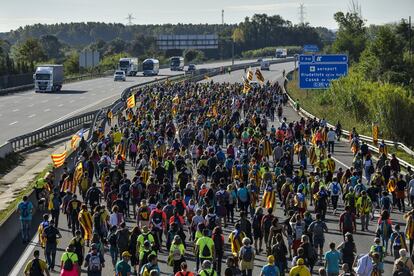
(25, 209)
(51, 234)
(331, 136)
(69, 263)
(36, 266)
(363, 206)
(94, 261)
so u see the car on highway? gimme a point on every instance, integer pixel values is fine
(191, 68)
(119, 75)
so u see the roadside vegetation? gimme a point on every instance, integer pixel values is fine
(9, 162)
(4, 214)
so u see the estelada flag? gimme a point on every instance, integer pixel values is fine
(58, 159)
(259, 75)
(77, 176)
(74, 142)
(131, 101)
(249, 75)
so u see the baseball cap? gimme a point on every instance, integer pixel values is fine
(126, 254)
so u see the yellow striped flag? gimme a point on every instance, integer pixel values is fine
(259, 75)
(78, 173)
(74, 142)
(58, 159)
(131, 101)
(246, 86)
(249, 75)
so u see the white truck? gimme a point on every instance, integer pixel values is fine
(129, 66)
(48, 78)
(281, 53)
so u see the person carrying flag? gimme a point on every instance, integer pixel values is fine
(85, 220)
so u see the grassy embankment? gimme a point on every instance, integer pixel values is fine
(313, 102)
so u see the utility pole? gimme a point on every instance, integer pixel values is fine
(409, 35)
(302, 14)
(130, 18)
(222, 17)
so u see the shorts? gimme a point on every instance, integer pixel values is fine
(318, 242)
(257, 233)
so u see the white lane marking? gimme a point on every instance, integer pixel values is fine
(60, 105)
(25, 256)
(31, 116)
(30, 105)
(46, 110)
(93, 94)
(57, 98)
(82, 98)
(15, 122)
(15, 110)
(44, 101)
(71, 101)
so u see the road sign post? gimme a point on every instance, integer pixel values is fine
(317, 71)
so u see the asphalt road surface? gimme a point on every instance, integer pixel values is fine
(24, 112)
(343, 158)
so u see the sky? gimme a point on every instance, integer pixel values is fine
(18, 13)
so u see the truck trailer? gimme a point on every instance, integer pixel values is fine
(48, 78)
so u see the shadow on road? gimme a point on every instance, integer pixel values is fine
(72, 92)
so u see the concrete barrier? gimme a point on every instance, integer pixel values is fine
(5, 149)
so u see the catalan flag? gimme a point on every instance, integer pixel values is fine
(259, 75)
(206, 77)
(269, 197)
(58, 159)
(131, 101)
(246, 86)
(249, 75)
(85, 220)
(121, 150)
(74, 142)
(78, 173)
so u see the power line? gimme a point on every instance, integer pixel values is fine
(130, 18)
(222, 17)
(302, 14)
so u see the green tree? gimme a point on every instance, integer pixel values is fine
(71, 64)
(193, 55)
(51, 46)
(30, 51)
(351, 36)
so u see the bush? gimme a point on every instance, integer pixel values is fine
(271, 51)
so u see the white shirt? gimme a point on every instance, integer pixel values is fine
(364, 266)
(411, 187)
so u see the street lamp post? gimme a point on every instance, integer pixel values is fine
(232, 52)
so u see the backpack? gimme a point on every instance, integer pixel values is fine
(386, 203)
(68, 264)
(145, 256)
(211, 221)
(157, 218)
(112, 239)
(95, 263)
(180, 207)
(78, 247)
(25, 209)
(35, 269)
(348, 223)
(218, 243)
(247, 254)
(56, 203)
(135, 191)
(206, 251)
(335, 189)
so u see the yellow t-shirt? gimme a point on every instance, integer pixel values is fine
(42, 264)
(72, 255)
(201, 243)
(299, 270)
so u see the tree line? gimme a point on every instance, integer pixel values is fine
(23, 48)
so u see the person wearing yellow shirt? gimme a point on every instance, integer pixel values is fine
(177, 252)
(363, 207)
(300, 269)
(330, 164)
(204, 248)
(36, 266)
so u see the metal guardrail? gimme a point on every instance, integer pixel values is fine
(345, 134)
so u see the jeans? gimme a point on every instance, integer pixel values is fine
(334, 200)
(25, 229)
(113, 251)
(331, 145)
(50, 254)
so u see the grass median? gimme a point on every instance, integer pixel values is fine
(4, 214)
(312, 100)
